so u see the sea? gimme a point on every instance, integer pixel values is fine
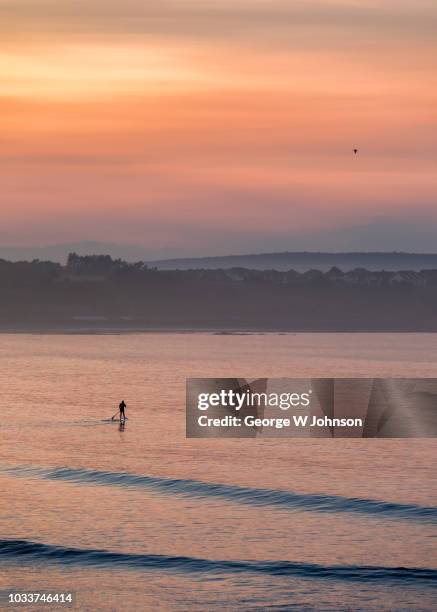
(141, 518)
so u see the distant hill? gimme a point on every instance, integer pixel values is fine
(302, 261)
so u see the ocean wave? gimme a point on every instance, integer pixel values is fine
(26, 551)
(272, 498)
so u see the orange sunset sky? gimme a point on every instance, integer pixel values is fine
(205, 127)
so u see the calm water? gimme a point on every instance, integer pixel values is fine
(207, 524)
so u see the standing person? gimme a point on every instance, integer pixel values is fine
(121, 407)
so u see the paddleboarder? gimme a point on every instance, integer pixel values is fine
(121, 407)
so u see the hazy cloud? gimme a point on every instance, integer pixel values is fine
(227, 124)
(208, 18)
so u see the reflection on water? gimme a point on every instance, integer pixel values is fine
(135, 516)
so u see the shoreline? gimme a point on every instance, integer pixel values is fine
(101, 331)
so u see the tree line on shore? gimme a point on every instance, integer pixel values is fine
(96, 290)
(96, 268)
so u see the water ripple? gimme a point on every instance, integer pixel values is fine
(28, 551)
(272, 498)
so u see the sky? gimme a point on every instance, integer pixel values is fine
(203, 127)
